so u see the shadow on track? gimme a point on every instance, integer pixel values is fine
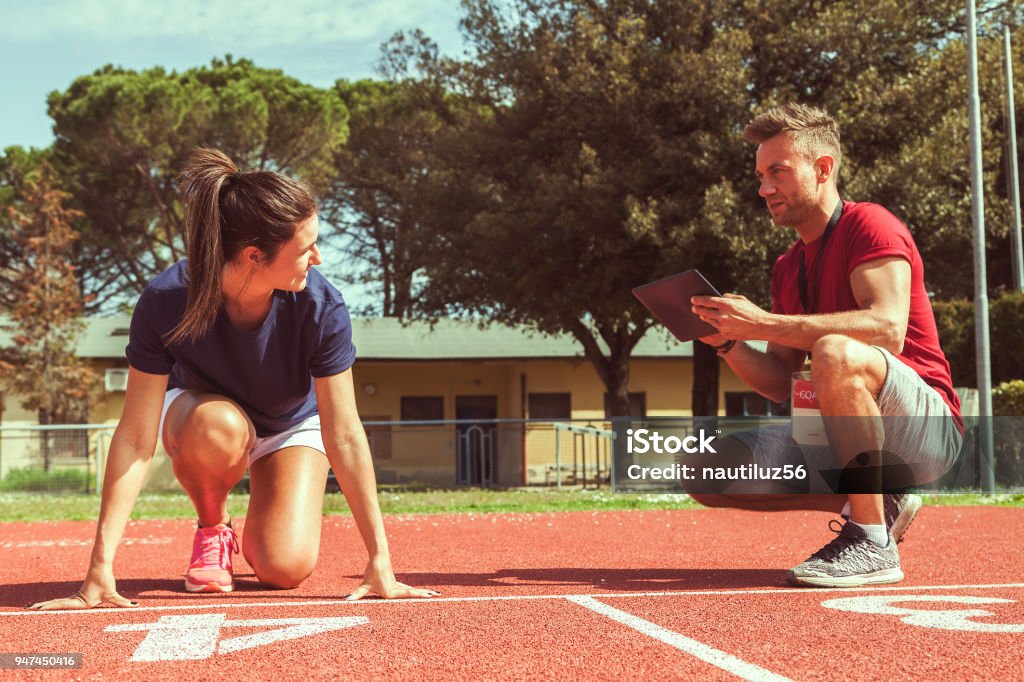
(611, 579)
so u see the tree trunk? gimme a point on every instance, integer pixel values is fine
(401, 304)
(612, 369)
(705, 380)
(45, 437)
(617, 384)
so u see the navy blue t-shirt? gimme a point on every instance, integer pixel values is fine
(269, 371)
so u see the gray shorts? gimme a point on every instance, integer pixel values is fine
(920, 433)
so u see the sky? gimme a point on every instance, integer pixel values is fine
(46, 44)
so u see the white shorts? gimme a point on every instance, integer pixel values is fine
(306, 433)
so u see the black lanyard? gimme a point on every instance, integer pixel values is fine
(813, 303)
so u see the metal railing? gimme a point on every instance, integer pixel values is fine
(52, 458)
(495, 452)
(585, 439)
(486, 453)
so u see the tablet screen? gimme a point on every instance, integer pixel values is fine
(668, 300)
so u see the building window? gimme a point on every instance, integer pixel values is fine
(750, 404)
(549, 405)
(422, 408)
(637, 406)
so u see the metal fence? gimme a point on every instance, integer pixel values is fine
(485, 453)
(499, 452)
(53, 458)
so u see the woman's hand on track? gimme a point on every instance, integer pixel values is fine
(380, 580)
(96, 590)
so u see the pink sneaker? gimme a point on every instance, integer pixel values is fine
(210, 569)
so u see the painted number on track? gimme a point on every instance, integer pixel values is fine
(949, 619)
(180, 638)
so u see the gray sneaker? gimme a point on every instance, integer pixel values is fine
(850, 560)
(900, 510)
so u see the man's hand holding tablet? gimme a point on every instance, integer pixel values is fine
(734, 317)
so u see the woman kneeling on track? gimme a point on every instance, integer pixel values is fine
(241, 357)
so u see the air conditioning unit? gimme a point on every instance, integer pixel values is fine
(116, 379)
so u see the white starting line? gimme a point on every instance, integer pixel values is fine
(792, 591)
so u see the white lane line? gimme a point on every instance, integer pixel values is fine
(802, 591)
(710, 655)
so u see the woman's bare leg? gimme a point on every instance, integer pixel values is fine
(208, 438)
(282, 528)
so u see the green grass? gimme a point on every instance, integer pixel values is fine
(27, 506)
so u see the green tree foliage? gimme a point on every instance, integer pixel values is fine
(44, 319)
(580, 148)
(596, 168)
(395, 184)
(123, 135)
(612, 153)
(389, 182)
(908, 141)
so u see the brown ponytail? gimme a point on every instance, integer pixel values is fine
(225, 211)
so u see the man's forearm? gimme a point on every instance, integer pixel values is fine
(762, 371)
(803, 331)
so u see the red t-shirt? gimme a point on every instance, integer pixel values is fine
(866, 232)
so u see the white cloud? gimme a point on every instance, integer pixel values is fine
(255, 23)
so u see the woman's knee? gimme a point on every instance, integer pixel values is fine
(283, 572)
(217, 426)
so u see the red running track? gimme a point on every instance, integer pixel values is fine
(692, 594)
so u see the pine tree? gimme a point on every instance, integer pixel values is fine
(42, 367)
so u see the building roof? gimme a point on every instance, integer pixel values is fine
(389, 339)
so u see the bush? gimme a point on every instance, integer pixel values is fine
(38, 479)
(1008, 433)
(955, 322)
(1008, 399)
(1006, 328)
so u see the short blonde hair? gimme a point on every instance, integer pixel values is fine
(814, 133)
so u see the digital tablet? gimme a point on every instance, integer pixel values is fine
(668, 300)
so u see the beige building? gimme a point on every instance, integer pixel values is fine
(514, 383)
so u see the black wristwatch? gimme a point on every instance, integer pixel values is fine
(725, 347)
